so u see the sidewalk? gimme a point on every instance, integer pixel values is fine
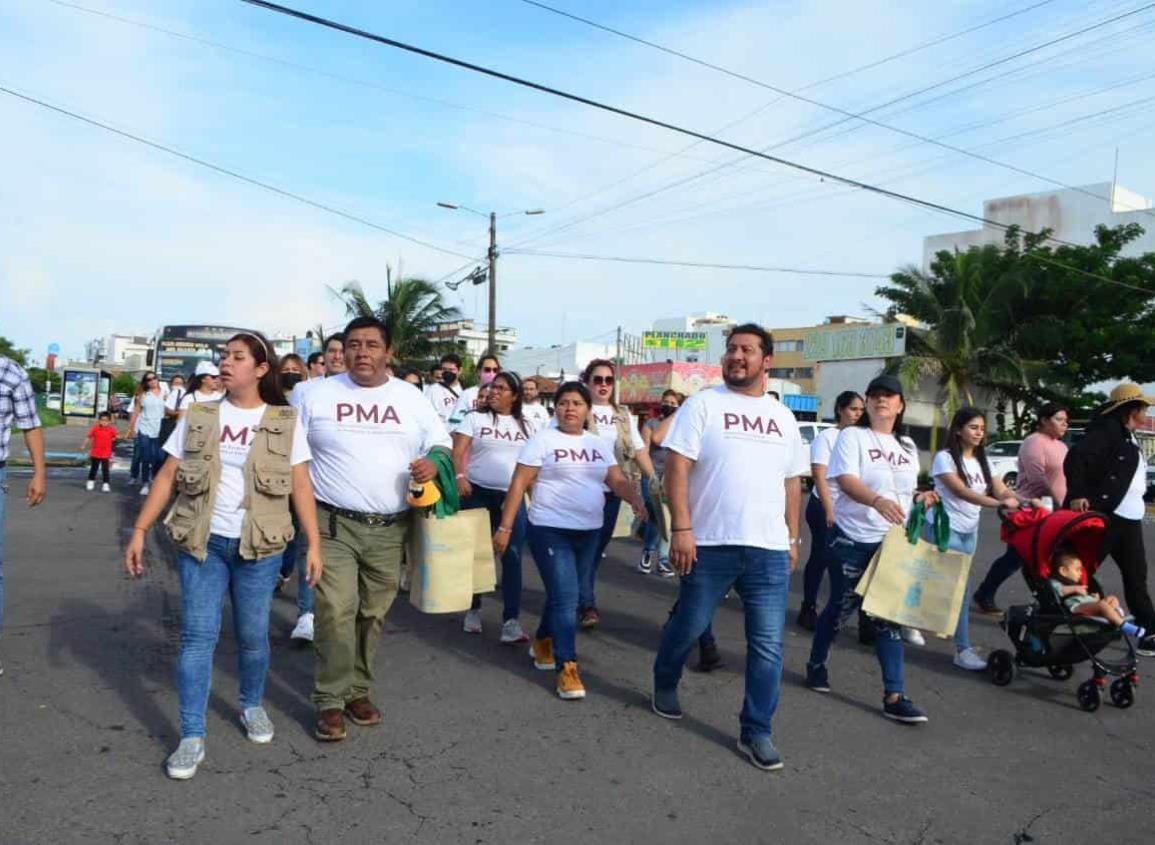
(63, 445)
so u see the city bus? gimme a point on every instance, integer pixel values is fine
(179, 349)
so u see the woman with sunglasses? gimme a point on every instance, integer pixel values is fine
(485, 449)
(487, 368)
(147, 416)
(568, 467)
(617, 429)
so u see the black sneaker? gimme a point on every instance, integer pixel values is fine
(646, 564)
(1146, 646)
(867, 633)
(665, 704)
(903, 710)
(761, 752)
(708, 658)
(808, 617)
(817, 678)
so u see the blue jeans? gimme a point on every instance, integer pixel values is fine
(146, 448)
(588, 571)
(816, 563)
(492, 500)
(846, 560)
(561, 553)
(966, 544)
(3, 505)
(653, 541)
(762, 579)
(1002, 569)
(249, 585)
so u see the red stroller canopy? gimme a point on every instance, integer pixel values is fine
(1035, 534)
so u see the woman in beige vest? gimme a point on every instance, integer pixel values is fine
(234, 465)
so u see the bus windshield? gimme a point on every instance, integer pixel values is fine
(180, 348)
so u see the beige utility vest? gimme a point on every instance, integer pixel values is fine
(267, 526)
(624, 452)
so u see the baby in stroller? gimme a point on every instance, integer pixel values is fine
(1069, 580)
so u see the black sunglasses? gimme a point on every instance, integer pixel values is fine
(601, 379)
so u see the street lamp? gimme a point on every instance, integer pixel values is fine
(492, 255)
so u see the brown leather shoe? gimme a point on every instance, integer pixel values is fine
(362, 712)
(330, 725)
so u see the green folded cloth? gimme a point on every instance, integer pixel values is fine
(446, 481)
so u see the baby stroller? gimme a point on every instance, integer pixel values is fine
(1046, 634)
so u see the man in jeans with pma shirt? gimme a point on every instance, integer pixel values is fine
(733, 467)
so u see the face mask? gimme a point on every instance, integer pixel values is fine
(448, 378)
(290, 380)
(666, 410)
(486, 378)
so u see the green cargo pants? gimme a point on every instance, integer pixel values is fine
(362, 573)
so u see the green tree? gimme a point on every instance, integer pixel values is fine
(412, 310)
(964, 303)
(124, 383)
(8, 350)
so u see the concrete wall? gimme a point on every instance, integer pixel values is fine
(1071, 214)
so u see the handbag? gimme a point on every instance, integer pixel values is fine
(440, 554)
(484, 560)
(914, 583)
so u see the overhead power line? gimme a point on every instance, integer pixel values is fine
(525, 83)
(331, 209)
(837, 109)
(652, 121)
(700, 264)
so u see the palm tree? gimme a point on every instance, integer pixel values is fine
(412, 310)
(964, 303)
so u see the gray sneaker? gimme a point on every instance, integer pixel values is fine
(761, 752)
(182, 763)
(258, 724)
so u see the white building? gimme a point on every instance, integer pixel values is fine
(715, 326)
(472, 340)
(553, 361)
(1071, 213)
(129, 352)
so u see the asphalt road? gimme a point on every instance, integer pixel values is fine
(476, 747)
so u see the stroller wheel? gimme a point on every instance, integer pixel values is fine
(1122, 693)
(1061, 672)
(1089, 697)
(1001, 666)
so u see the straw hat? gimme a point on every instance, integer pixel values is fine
(1125, 393)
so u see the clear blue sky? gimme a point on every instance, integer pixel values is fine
(98, 234)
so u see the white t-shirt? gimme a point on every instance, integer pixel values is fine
(571, 472)
(964, 516)
(884, 466)
(466, 402)
(493, 447)
(174, 397)
(1132, 506)
(744, 448)
(443, 399)
(238, 427)
(363, 440)
(151, 408)
(538, 413)
(820, 450)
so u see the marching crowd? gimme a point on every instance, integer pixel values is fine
(264, 468)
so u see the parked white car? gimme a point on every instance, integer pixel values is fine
(810, 430)
(1003, 458)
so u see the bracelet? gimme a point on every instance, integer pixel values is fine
(460, 475)
(795, 541)
(676, 530)
(136, 528)
(875, 500)
(501, 529)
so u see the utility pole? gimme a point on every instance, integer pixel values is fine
(492, 283)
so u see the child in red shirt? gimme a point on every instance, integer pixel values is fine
(99, 446)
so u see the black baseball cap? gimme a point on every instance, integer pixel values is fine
(884, 383)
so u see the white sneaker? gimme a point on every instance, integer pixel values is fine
(970, 660)
(104, 488)
(90, 485)
(257, 724)
(144, 492)
(182, 763)
(913, 636)
(304, 628)
(472, 622)
(512, 633)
